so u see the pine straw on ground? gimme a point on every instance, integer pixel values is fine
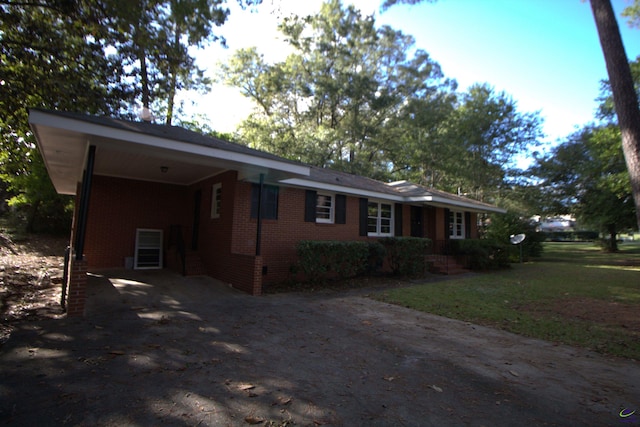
(31, 272)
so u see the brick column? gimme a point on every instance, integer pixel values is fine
(256, 285)
(77, 288)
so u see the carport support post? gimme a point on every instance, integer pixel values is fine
(77, 274)
(77, 290)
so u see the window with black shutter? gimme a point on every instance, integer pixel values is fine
(269, 201)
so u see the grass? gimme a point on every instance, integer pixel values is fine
(575, 294)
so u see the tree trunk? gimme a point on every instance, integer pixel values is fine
(32, 215)
(173, 83)
(613, 238)
(624, 94)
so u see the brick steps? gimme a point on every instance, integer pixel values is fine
(445, 264)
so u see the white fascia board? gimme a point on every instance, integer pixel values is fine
(298, 182)
(384, 196)
(108, 132)
(456, 203)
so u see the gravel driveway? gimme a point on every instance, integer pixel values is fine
(160, 349)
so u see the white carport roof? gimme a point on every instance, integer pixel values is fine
(142, 151)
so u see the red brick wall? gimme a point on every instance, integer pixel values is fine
(216, 234)
(117, 207)
(474, 225)
(280, 236)
(227, 245)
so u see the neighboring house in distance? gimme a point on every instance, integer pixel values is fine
(563, 223)
(153, 196)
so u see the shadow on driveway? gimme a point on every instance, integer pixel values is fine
(158, 348)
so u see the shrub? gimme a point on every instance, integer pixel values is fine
(482, 254)
(406, 255)
(503, 226)
(318, 258)
(377, 254)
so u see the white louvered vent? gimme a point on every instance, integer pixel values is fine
(148, 249)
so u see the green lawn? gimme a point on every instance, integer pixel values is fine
(574, 294)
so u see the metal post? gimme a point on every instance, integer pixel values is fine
(84, 203)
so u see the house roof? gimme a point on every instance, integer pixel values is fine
(171, 154)
(399, 191)
(140, 150)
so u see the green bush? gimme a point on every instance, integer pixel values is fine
(406, 255)
(319, 258)
(505, 225)
(377, 254)
(482, 254)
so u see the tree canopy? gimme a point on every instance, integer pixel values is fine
(96, 57)
(363, 99)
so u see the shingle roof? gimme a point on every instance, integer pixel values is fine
(402, 189)
(176, 133)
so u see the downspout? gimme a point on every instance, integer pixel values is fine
(83, 210)
(259, 228)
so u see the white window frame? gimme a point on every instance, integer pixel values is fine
(216, 205)
(332, 208)
(456, 225)
(379, 219)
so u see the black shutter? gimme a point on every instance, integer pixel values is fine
(310, 200)
(364, 216)
(447, 236)
(467, 225)
(398, 219)
(269, 201)
(341, 209)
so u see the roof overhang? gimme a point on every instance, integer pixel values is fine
(417, 197)
(336, 188)
(444, 202)
(64, 143)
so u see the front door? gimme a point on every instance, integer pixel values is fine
(416, 222)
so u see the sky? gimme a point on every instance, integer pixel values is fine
(545, 54)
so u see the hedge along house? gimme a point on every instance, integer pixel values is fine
(152, 196)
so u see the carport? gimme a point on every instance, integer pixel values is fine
(78, 148)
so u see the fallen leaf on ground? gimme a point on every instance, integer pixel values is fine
(436, 388)
(253, 420)
(282, 401)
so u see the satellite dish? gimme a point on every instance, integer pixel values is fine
(516, 239)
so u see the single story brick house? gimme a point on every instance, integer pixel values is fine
(154, 196)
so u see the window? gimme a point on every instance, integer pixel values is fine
(269, 201)
(379, 219)
(456, 225)
(216, 200)
(324, 208)
(148, 252)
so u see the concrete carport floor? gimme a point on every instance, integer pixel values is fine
(157, 348)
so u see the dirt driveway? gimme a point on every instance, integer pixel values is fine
(159, 349)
